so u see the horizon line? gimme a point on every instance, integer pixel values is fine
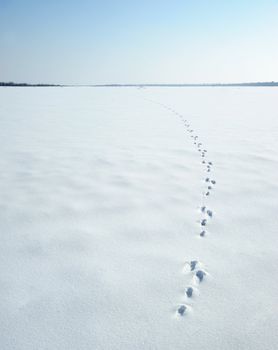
(259, 83)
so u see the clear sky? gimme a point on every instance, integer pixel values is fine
(108, 41)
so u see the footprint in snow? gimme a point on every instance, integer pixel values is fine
(190, 266)
(181, 310)
(209, 212)
(189, 292)
(200, 275)
(193, 264)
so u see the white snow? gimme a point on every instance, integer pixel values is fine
(100, 195)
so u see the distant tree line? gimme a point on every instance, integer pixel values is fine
(271, 83)
(10, 83)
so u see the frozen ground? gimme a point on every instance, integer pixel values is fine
(100, 205)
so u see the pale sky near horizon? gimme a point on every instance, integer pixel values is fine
(151, 41)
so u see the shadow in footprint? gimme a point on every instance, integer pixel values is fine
(200, 275)
(209, 212)
(181, 310)
(189, 292)
(193, 264)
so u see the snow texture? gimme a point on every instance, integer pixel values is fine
(138, 218)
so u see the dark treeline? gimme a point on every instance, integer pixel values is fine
(24, 84)
(271, 83)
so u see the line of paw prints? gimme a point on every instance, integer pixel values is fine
(194, 266)
(198, 275)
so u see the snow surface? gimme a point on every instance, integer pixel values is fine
(100, 198)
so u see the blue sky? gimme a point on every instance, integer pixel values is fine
(121, 41)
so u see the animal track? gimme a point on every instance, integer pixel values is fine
(181, 310)
(209, 212)
(190, 265)
(193, 264)
(200, 275)
(189, 292)
(194, 267)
